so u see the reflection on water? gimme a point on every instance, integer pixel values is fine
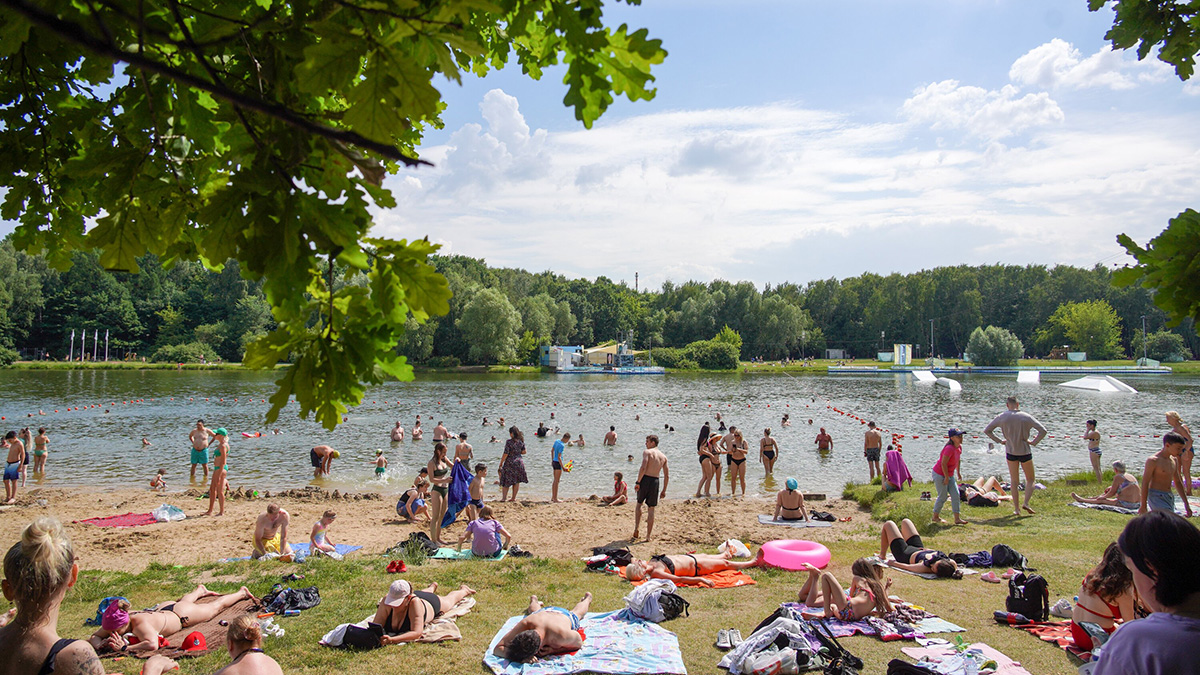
(102, 447)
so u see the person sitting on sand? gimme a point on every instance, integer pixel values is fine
(244, 641)
(687, 567)
(412, 502)
(38, 571)
(1105, 597)
(985, 491)
(1123, 492)
(620, 493)
(484, 533)
(270, 534)
(545, 631)
(405, 613)
(1160, 551)
(867, 595)
(789, 502)
(163, 621)
(910, 552)
(159, 482)
(321, 458)
(318, 539)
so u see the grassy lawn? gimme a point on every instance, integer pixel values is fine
(1062, 542)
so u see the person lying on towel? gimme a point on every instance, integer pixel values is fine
(163, 621)
(687, 567)
(405, 613)
(545, 631)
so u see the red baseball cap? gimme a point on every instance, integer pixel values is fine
(194, 642)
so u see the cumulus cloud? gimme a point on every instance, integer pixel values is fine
(1059, 65)
(507, 150)
(989, 114)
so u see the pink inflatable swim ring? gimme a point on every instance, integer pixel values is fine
(791, 554)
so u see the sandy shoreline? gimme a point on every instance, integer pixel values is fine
(565, 530)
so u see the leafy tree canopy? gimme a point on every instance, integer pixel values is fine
(994, 346)
(1091, 327)
(261, 131)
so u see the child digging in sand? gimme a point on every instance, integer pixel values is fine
(319, 538)
(159, 482)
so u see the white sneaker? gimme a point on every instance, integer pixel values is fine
(735, 637)
(1062, 608)
(723, 639)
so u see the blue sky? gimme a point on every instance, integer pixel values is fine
(791, 140)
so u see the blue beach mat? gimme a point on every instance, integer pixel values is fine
(617, 643)
(452, 554)
(301, 552)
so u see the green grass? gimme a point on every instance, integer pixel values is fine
(1062, 542)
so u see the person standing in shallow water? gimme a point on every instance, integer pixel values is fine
(512, 464)
(556, 464)
(768, 451)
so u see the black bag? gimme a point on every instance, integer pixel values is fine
(823, 516)
(619, 556)
(1029, 595)
(841, 662)
(292, 598)
(899, 667)
(425, 542)
(1004, 555)
(673, 605)
(357, 637)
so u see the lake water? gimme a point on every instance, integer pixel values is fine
(101, 447)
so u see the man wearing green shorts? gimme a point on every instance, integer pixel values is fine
(200, 437)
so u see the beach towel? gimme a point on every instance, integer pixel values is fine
(452, 554)
(617, 643)
(875, 560)
(884, 630)
(768, 520)
(895, 471)
(722, 579)
(941, 653)
(1057, 633)
(1106, 507)
(459, 493)
(300, 551)
(123, 520)
(442, 628)
(214, 634)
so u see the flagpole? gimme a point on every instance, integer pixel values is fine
(71, 349)
(95, 342)
(106, 344)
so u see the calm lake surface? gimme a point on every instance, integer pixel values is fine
(101, 447)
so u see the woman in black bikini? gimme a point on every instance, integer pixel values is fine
(688, 567)
(163, 621)
(789, 503)
(768, 451)
(911, 554)
(706, 458)
(38, 572)
(738, 449)
(439, 476)
(244, 642)
(404, 613)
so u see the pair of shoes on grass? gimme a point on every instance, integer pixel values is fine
(728, 638)
(396, 567)
(991, 577)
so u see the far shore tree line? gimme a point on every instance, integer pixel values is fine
(994, 313)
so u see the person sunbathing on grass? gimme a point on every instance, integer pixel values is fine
(1123, 492)
(985, 491)
(687, 567)
(911, 554)
(244, 642)
(162, 621)
(545, 631)
(405, 613)
(866, 595)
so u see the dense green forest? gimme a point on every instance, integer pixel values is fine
(187, 312)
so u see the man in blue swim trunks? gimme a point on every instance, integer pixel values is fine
(200, 438)
(12, 466)
(544, 631)
(1162, 469)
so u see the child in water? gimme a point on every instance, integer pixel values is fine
(476, 490)
(319, 540)
(159, 482)
(380, 463)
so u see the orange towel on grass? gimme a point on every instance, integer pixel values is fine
(722, 579)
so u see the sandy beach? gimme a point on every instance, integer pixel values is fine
(565, 530)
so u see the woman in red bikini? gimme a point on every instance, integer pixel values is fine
(1107, 596)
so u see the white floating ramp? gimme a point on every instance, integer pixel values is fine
(1099, 383)
(924, 376)
(1029, 377)
(952, 385)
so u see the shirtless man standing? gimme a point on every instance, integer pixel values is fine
(611, 437)
(463, 452)
(872, 447)
(321, 458)
(200, 437)
(216, 489)
(1162, 469)
(544, 631)
(397, 433)
(646, 487)
(12, 466)
(824, 441)
(1018, 449)
(440, 435)
(270, 534)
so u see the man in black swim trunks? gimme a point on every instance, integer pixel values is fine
(653, 463)
(872, 447)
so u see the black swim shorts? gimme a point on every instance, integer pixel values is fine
(647, 492)
(1018, 458)
(872, 454)
(557, 466)
(314, 458)
(903, 551)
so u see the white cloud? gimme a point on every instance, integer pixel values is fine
(1059, 65)
(989, 114)
(724, 192)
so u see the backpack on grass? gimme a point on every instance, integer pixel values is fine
(673, 605)
(1029, 595)
(1004, 555)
